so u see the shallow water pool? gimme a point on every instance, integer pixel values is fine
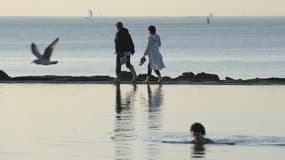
(92, 121)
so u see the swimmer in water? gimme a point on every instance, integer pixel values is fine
(198, 132)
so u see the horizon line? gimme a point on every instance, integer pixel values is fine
(142, 16)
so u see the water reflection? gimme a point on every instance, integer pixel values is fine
(198, 151)
(124, 128)
(124, 123)
(155, 100)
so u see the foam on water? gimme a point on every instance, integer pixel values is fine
(185, 138)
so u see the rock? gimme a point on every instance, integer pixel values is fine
(186, 76)
(201, 77)
(229, 79)
(102, 78)
(35, 78)
(272, 80)
(142, 77)
(3, 75)
(84, 78)
(126, 76)
(166, 79)
(62, 78)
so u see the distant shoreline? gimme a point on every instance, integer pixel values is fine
(187, 78)
(194, 16)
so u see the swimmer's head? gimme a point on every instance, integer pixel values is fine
(198, 128)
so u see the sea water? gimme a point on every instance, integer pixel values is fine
(240, 47)
(57, 121)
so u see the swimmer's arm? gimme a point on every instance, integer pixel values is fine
(225, 143)
(178, 142)
(209, 141)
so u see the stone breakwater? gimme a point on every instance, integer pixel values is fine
(185, 78)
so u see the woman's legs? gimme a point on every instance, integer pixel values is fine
(159, 76)
(149, 74)
(157, 73)
(149, 70)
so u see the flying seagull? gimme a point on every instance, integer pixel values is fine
(45, 58)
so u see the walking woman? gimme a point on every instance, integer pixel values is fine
(154, 56)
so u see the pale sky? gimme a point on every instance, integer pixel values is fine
(142, 7)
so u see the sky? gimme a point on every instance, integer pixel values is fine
(142, 7)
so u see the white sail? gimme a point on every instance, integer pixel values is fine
(90, 13)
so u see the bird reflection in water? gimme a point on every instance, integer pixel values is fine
(124, 123)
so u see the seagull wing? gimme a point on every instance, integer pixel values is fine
(35, 50)
(49, 49)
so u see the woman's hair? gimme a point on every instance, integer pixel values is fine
(198, 127)
(152, 29)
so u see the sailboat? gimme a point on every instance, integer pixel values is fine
(90, 14)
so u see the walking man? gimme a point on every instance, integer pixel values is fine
(124, 49)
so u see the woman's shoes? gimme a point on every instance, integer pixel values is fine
(147, 79)
(159, 81)
(134, 80)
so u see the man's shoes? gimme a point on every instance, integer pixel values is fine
(116, 80)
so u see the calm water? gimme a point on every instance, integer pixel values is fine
(55, 122)
(245, 47)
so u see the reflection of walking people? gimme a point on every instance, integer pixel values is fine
(124, 102)
(154, 118)
(155, 101)
(155, 98)
(124, 49)
(124, 126)
(155, 58)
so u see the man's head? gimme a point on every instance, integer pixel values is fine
(197, 129)
(119, 25)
